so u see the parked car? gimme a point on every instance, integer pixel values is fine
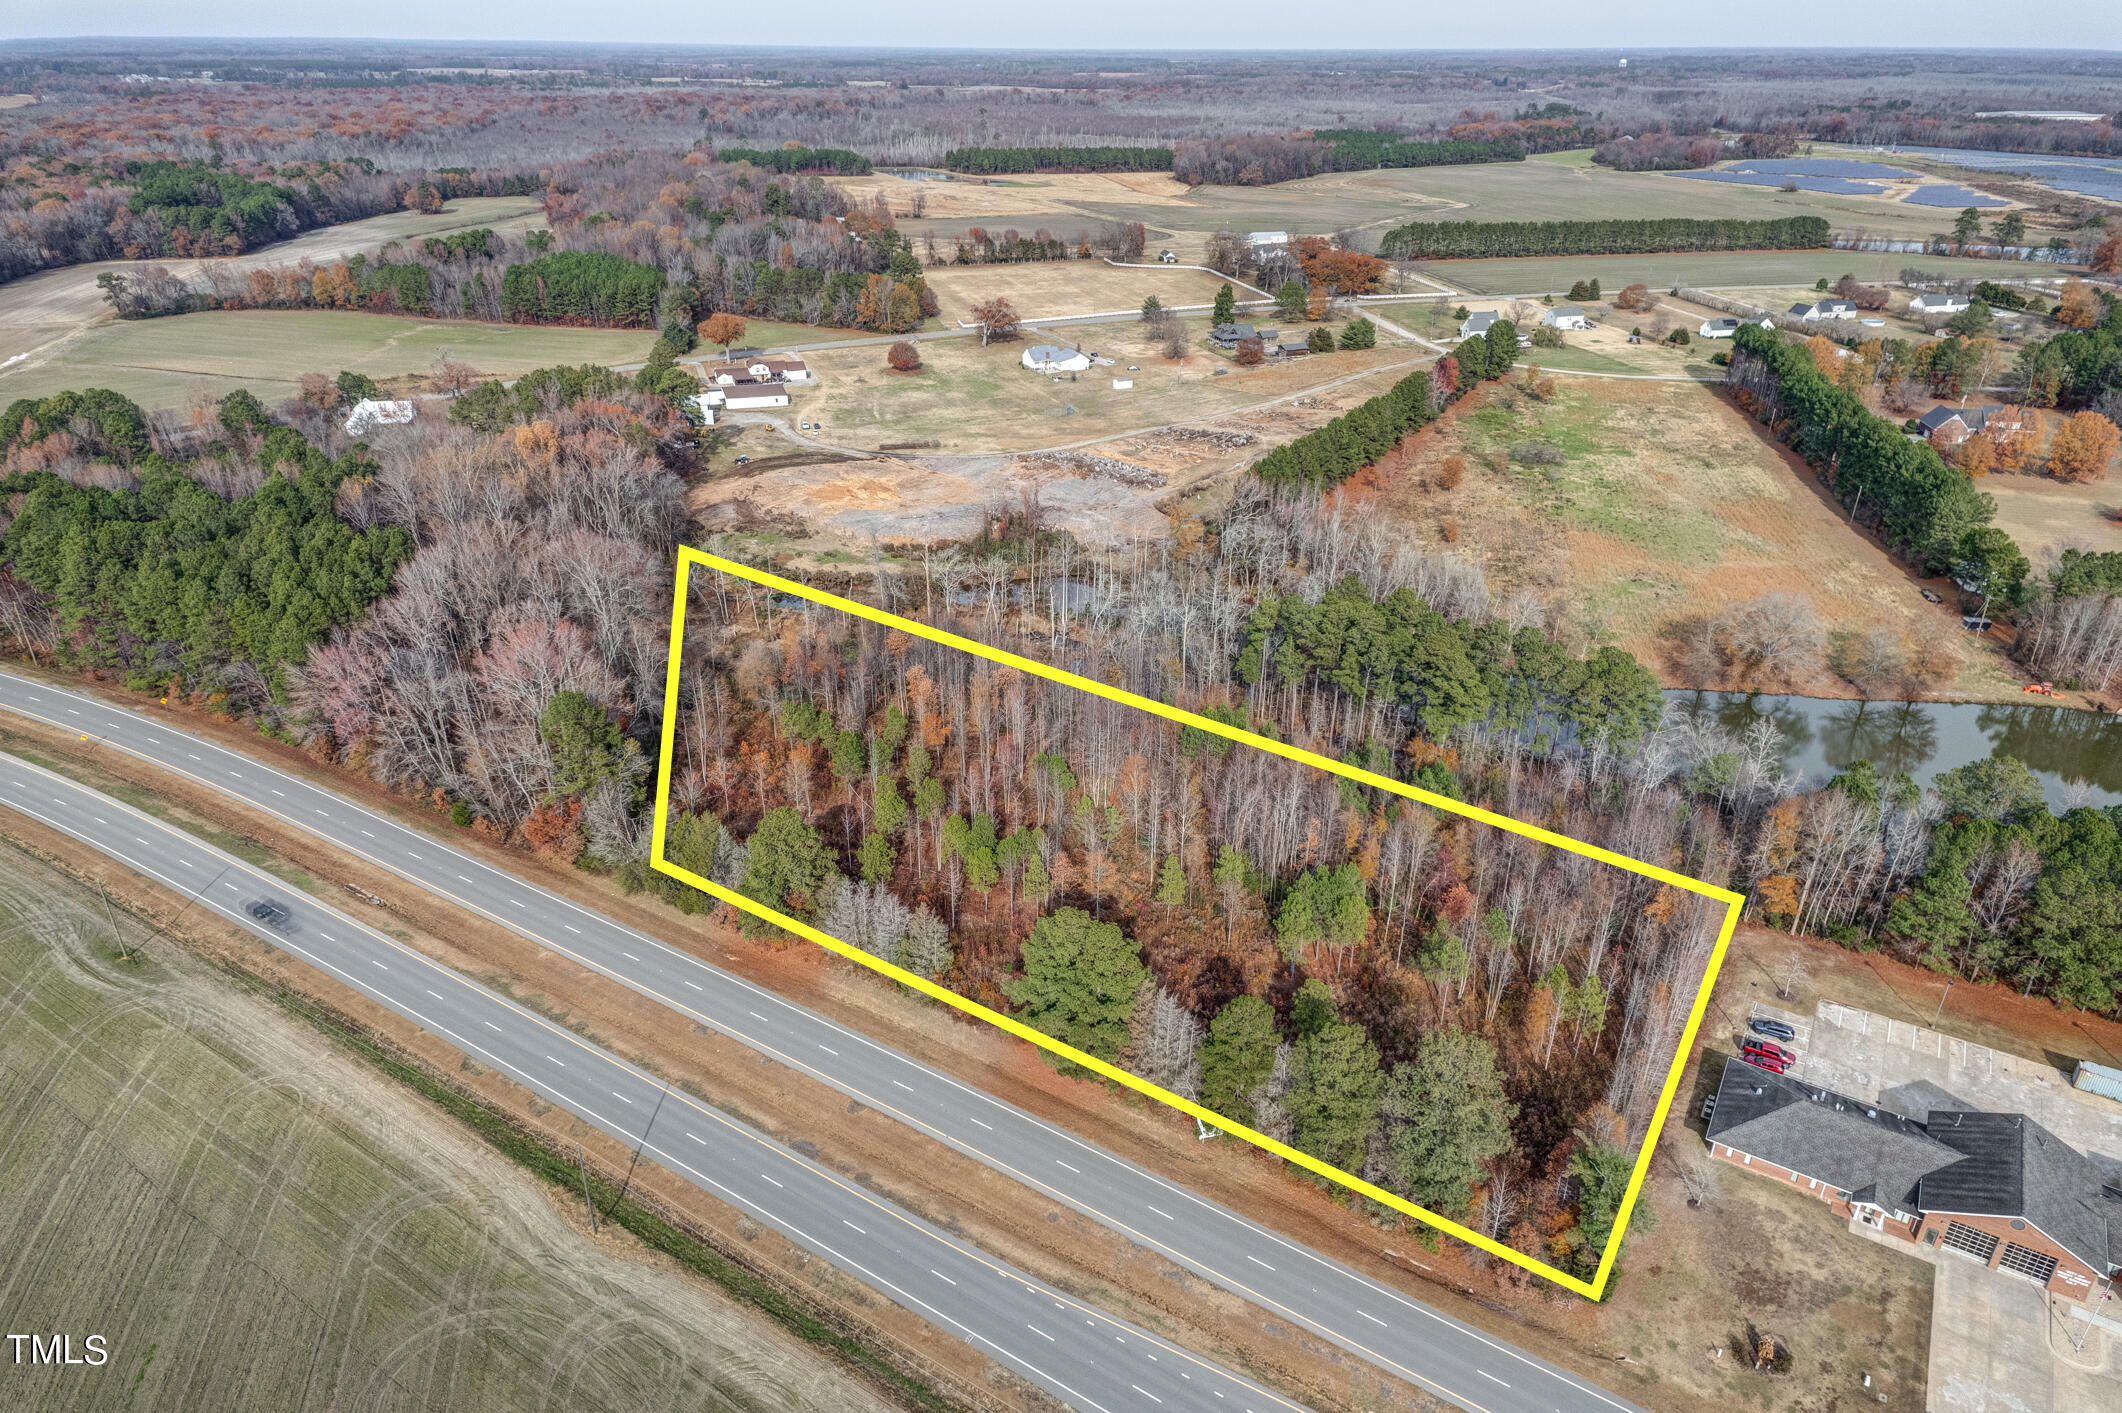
(1764, 1062)
(1771, 1050)
(273, 914)
(1761, 1025)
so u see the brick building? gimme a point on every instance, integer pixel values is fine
(1996, 1187)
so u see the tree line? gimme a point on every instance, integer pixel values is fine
(837, 160)
(1466, 240)
(1258, 159)
(1922, 507)
(988, 161)
(1357, 438)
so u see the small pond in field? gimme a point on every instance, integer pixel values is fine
(1822, 736)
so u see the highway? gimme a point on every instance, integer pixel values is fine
(1369, 1320)
(1077, 1352)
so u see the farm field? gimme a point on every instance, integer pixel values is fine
(253, 1220)
(1551, 186)
(1028, 194)
(165, 362)
(1664, 508)
(52, 305)
(1715, 270)
(1047, 289)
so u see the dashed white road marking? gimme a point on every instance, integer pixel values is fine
(1042, 1334)
(1372, 1318)
(1162, 1213)
(1075, 1170)
(561, 1063)
(846, 1223)
(763, 1175)
(1145, 1393)
(940, 1276)
(1490, 1377)
(1258, 1262)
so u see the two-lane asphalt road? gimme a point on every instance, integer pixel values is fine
(1368, 1319)
(1076, 1351)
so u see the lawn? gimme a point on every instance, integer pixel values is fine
(253, 1221)
(974, 399)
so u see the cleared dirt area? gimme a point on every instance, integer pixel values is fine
(253, 1219)
(1636, 509)
(52, 305)
(1050, 289)
(974, 429)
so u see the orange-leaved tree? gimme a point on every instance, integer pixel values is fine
(724, 329)
(2083, 448)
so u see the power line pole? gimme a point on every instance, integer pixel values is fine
(1941, 1002)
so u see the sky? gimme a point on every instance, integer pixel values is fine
(1111, 24)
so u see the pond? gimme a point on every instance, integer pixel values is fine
(1820, 737)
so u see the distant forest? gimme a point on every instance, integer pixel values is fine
(129, 152)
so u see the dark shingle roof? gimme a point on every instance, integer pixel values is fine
(2013, 1167)
(1970, 417)
(1824, 1135)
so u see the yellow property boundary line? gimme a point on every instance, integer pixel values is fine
(1594, 1289)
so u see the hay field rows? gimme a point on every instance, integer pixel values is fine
(254, 1221)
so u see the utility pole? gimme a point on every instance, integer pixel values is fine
(1941, 1002)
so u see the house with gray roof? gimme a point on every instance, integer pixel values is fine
(1998, 1188)
(1475, 325)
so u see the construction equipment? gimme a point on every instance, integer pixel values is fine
(2040, 689)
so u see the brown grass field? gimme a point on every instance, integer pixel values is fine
(1049, 289)
(1667, 507)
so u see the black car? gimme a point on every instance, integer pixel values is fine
(1773, 1028)
(273, 914)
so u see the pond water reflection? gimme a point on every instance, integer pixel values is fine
(1822, 736)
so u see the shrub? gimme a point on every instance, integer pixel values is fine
(902, 357)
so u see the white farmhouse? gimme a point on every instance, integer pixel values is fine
(1048, 358)
(1568, 316)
